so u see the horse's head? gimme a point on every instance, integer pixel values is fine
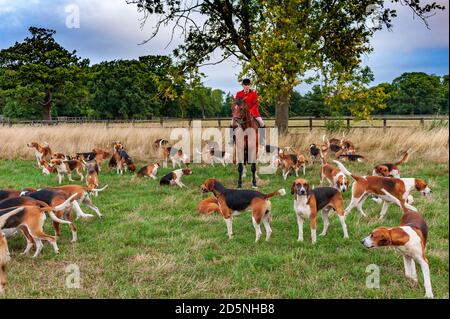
(239, 109)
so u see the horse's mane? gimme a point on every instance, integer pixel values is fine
(239, 101)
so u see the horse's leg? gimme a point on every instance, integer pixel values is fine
(254, 175)
(240, 170)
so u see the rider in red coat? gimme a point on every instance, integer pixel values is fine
(251, 98)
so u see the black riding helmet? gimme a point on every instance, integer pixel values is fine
(246, 82)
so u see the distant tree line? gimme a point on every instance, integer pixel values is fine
(39, 79)
(409, 94)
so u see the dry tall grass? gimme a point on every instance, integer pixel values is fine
(376, 144)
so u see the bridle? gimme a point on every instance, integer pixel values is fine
(242, 108)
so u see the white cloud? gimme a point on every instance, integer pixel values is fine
(9, 6)
(121, 22)
(410, 33)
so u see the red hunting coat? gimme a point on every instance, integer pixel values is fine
(251, 98)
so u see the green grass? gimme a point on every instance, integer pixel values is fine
(152, 243)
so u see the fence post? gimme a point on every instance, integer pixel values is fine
(310, 124)
(348, 123)
(422, 122)
(384, 124)
(219, 122)
(161, 122)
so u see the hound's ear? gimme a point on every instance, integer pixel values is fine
(293, 188)
(210, 185)
(308, 191)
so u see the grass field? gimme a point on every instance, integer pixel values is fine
(152, 243)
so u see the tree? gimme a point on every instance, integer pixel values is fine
(225, 110)
(311, 104)
(416, 93)
(387, 89)
(202, 101)
(37, 73)
(149, 86)
(277, 41)
(350, 93)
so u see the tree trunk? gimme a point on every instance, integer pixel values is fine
(282, 113)
(47, 107)
(203, 110)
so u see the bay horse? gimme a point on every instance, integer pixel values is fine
(245, 139)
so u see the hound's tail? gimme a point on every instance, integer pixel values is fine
(395, 200)
(346, 171)
(62, 206)
(404, 158)
(99, 189)
(5, 217)
(66, 203)
(52, 215)
(280, 192)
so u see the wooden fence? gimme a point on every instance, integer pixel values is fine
(297, 122)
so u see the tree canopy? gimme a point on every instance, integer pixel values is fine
(40, 78)
(278, 41)
(38, 73)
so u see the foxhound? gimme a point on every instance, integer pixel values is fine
(174, 178)
(64, 168)
(335, 177)
(307, 202)
(232, 202)
(390, 169)
(40, 152)
(398, 187)
(148, 171)
(410, 239)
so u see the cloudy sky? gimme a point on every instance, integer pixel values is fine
(110, 29)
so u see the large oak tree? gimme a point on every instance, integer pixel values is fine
(39, 72)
